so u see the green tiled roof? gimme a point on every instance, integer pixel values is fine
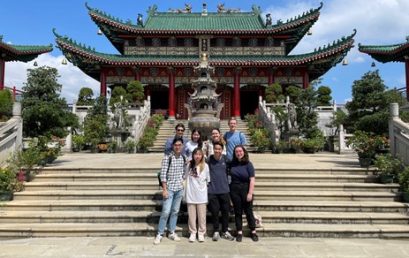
(387, 53)
(22, 53)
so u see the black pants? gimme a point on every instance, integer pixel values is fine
(238, 193)
(219, 202)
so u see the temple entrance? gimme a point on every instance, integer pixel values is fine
(249, 96)
(159, 99)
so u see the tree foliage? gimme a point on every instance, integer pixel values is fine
(85, 97)
(6, 104)
(44, 112)
(96, 122)
(135, 92)
(117, 92)
(274, 93)
(324, 96)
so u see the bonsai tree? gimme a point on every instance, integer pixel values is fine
(404, 183)
(274, 93)
(135, 92)
(78, 141)
(8, 184)
(96, 123)
(6, 105)
(117, 92)
(85, 97)
(388, 166)
(324, 96)
(130, 145)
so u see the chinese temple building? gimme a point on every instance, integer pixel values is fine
(390, 53)
(9, 52)
(247, 51)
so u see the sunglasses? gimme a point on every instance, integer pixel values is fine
(180, 130)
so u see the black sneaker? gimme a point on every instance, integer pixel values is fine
(254, 237)
(239, 237)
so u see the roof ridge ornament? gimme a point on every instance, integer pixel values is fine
(152, 10)
(256, 9)
(188, 9)
(222, 9)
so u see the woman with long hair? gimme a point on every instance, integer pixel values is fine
(195, 142)
(197, 177)
(216, 137)
(241, 191)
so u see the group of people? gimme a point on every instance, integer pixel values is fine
(207, 175)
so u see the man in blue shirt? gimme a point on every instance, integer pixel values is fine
(233, 138)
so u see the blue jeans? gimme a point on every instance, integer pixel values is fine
(170, 207)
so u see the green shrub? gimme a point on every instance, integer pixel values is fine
(6, 105)
(404, 180)
(388, 165)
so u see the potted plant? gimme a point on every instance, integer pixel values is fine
(78, 141)
(260, 139)
(130, 146)
(8, 184)
(404, 184)
(388, 167)
(136, 93)
(112, 147)
(312, 145)
(365, 147)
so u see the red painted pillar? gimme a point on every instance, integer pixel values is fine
(2, 73)
(407, 78)
(271, 77)
(171, 94)
(103, 85)
(14, 93)
(137, 75)
(306, 80)
(236, 93)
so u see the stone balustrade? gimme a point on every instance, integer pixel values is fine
(11, 134)
(398, 134)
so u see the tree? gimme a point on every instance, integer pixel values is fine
(85, 97)
(135, 92)
(96, 122)
(324, 96)
(117, 92)
(6, 104)
(44, 112)
(294, 93)
(307, 117)
(274, 93)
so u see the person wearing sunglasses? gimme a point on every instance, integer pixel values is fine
(179, 131)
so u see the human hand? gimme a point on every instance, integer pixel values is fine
(165, 194)
(249, 197)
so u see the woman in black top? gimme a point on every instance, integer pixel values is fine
(241, 191)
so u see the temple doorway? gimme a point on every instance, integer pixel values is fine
(159, 99)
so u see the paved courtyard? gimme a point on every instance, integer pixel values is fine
(142, 247)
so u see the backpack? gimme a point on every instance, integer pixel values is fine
(170, 162)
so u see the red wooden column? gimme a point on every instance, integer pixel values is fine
(2, 73)
(171, 94)
(137, 74)
(270, 76)
(407, 77)
(103, 83)
(305, 80)
(236, 93)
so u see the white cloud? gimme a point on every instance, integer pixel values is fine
(377, 22)
(72, 78)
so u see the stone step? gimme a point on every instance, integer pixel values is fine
(146, 229)
(157, 194)
(259, 171)
(153, 217)
(72, 177)
(154, 205)
(267, 186)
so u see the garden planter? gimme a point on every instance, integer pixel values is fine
(365, 162)
(6, 196)
(386, 179)
(405, 197)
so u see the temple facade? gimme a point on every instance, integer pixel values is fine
(248, 52)
(23, 53)
(390, 53)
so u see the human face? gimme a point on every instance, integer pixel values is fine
(195, 137)
(232, 125)
(217, 151)
(198, 156)
(177, 147)
(239, 152)
(215, 136)
(180, 131)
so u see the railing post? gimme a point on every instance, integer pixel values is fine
(341, 138)
(393, 113)
(17, 116)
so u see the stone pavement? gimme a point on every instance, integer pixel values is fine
(321, 160)
(142, 247)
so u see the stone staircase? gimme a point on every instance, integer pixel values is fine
(168, 130)
(126, 202)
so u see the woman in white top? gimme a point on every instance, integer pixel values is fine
(197, 177)
(195, 142)
(216, 137)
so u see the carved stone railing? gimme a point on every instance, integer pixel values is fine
(140, 119)
(398, 134)
(269, 119)
(11, 134)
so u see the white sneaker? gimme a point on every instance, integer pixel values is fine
(157, 240)
(173, 236)
(216, 236)
(192, 238)
(201, 238)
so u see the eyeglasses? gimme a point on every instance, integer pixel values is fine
(180, 130)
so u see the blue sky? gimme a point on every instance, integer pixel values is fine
(377, 22)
